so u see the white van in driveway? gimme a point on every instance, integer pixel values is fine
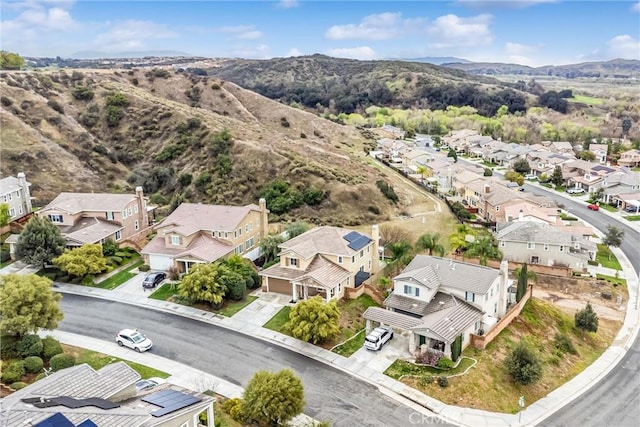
(378, 337)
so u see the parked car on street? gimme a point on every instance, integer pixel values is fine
(133, 339)
(149, 383)
(530, 177)
(575, 190)
(593, 207)
(378, 337)
(153, 279)
(632, 209)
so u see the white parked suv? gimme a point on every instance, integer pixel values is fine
(378, 337)
(575, 190)
(530, 177)
(133, 339)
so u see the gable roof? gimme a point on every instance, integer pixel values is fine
(534, 232)
(452, 274)
(323, 240)
(89, 230)
(202, 247)
(9, 184)
(74, 203)
(189, 218)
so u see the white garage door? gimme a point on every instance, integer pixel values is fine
(160, 262)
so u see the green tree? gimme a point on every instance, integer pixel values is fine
(587, 319)
(587, 155)
(524, 365)
(233, 282)
(203, 284)
(597, 195)
(452, 153)
(27, 303)
(245, 268)
(40, 242)
(456, 348)
(521, 166)
(484, 248)
(269, 246)
(523, 276)
(87, 259)
(460, 240)
(295, 229)
(10, 61)
(273, 398)
(613, 236)
(5, 218)
(626, 125)
(314, 321)
(556, 177)
(430, 243)
(513, 176)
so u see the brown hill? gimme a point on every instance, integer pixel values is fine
(108, 131)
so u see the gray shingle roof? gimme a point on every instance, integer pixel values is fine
(451, 320)
(535, 232)
(322, 240)
(454, 274)
(388, 317)
(189, 218)
(90, 202)
(9, 184)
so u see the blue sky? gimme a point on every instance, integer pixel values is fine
(529, 32)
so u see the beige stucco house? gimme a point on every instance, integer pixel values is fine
(323, 261)
(198, 233)
(630, 158)
(14, 191)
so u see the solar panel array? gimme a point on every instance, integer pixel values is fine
(356, 240)
(170, 401)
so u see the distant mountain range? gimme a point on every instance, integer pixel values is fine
(91, 54)
(438, 60)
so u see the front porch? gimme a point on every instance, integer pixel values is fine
(308, 289)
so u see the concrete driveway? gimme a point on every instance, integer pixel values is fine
(134, 285)
(397, 348)
(19, 267)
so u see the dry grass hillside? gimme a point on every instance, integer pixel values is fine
(108, 131)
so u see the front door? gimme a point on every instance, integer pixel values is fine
(423, 339)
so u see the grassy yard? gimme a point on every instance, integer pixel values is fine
(4, 264)
(164, 292)
(400, 368)
(632, 218)
(119, 278)
(615, 280)
(229, 308)
(608, 208)
(605, 257)
(98, 360)
(589, 100)
(277, 322)
(488, 386)
(351, 346)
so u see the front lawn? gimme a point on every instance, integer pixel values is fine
(615, 280)
(277, 322)
(119, 278)
(605, 257)
(164, 292)
(351, 346)
(98, 360)
(229, 308)
(632, 218)
(401, 367)
(608, 207)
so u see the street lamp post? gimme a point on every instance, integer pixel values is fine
(521, 405)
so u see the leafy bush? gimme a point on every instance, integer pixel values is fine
(33, 364)
(117, 99)
(113, 115)
(82, 93)
(284, 122)
(586, 319)
(523, 364)
(387, 190)
(30, 345)
(443, 382)
(313, 196)
(115, 259)
(54, 105)
(233, 407)
(8, 347)
(425, 381)
(281, 197)
(563, 343)
(144, 267)
(236, 290)
(62, 361)
(445, 363)
(51, 347)
(215, 86)
(109, 248)
(158, 72)
(40, 376)
(18, 385)
(13, 372)
(185, 179)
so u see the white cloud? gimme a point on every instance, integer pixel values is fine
(294, 51)
(517, 53)
(623, 46)
(453, 31)
(382, 26)
(507, 4)
(361, 52)
(131, 35)
(288, 4)
(260, 51)
(636, 7)
(242, 32)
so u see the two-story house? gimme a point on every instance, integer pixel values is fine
(96, 217)
(439, 300)
(630, 158)
(196, 233)
(14, 191)
(536, 243)
(544, 162)
(323, 261)
(621, 188)
(600, 151)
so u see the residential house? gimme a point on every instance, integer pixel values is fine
(630, 158)
(600, 151)
(391, 150)
(14, 191)
(84, 397)
(393, 131)
(519, 211)
(536, 243)
(196, 233)
(323, 261)
(561, 147)
(96, 217)
(621, 187)
(544, 162)
(486, 150)
(587, 175)
(438, 300)
(459, 140)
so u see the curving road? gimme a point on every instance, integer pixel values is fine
(330, 394)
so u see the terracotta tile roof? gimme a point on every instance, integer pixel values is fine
(90, 230)
(325, 273)
(321, 240)
(203, 247)
(278, 272)
(451, 320)
(388, 317)
(90, 202)
(189, 218)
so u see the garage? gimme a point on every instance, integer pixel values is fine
(280, 286)
(160, 262)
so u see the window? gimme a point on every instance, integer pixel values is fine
(531, 245)
(469, 296)
(110, 215)
(339, 287)
(497, 208)
(546, 246)
(12, 212)
(240, 231)
(136, 225)
(19, 196)
(411, 290)
(238, 249)
(9, 197)
(353, 259)
(246, 228)
(235, 234)
(20, 210)
(486, 297)
(55, 218)
(130, 211)
(495, 308)
(249, 243)
(124, 214)
(339, 260)
(250, 226)
(226, 235)
(561, 248)
(175, 240)
(361, 254)
(293, 262)
(369, 265)
(135, 208)
(257, 222)
(118, 235)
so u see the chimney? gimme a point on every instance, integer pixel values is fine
(503, 287)
(375, 258)
(487, 188)
(264, 218)
(26, 195)
(142, 208)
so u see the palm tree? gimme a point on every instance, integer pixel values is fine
(399, 249)
(269, 246)
(460, 240)
(429, 242)
(484, 248)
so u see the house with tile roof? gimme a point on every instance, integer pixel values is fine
(537, 243)
(324, 261)
(84, 397)
(630, 158)
(438, 301)
(587, 175)
(196, 233)
(544, 162)
(14, 191)
(87, 218)
(600, 151)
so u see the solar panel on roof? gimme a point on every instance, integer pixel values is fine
(55, 420)
(87, 423)
(359, 243)
(350, 237)
(170, 401)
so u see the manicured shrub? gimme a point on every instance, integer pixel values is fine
(443, 382)
(445, 363)
(236, 290)
(425, 381)
(8, 347)
(30, 345)
(13, 372)
(233, 407)
(144, 267)
(587, 319)
(33, 364)
(18, 385)
(62, 361)
(115, 259)
(524, 365)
